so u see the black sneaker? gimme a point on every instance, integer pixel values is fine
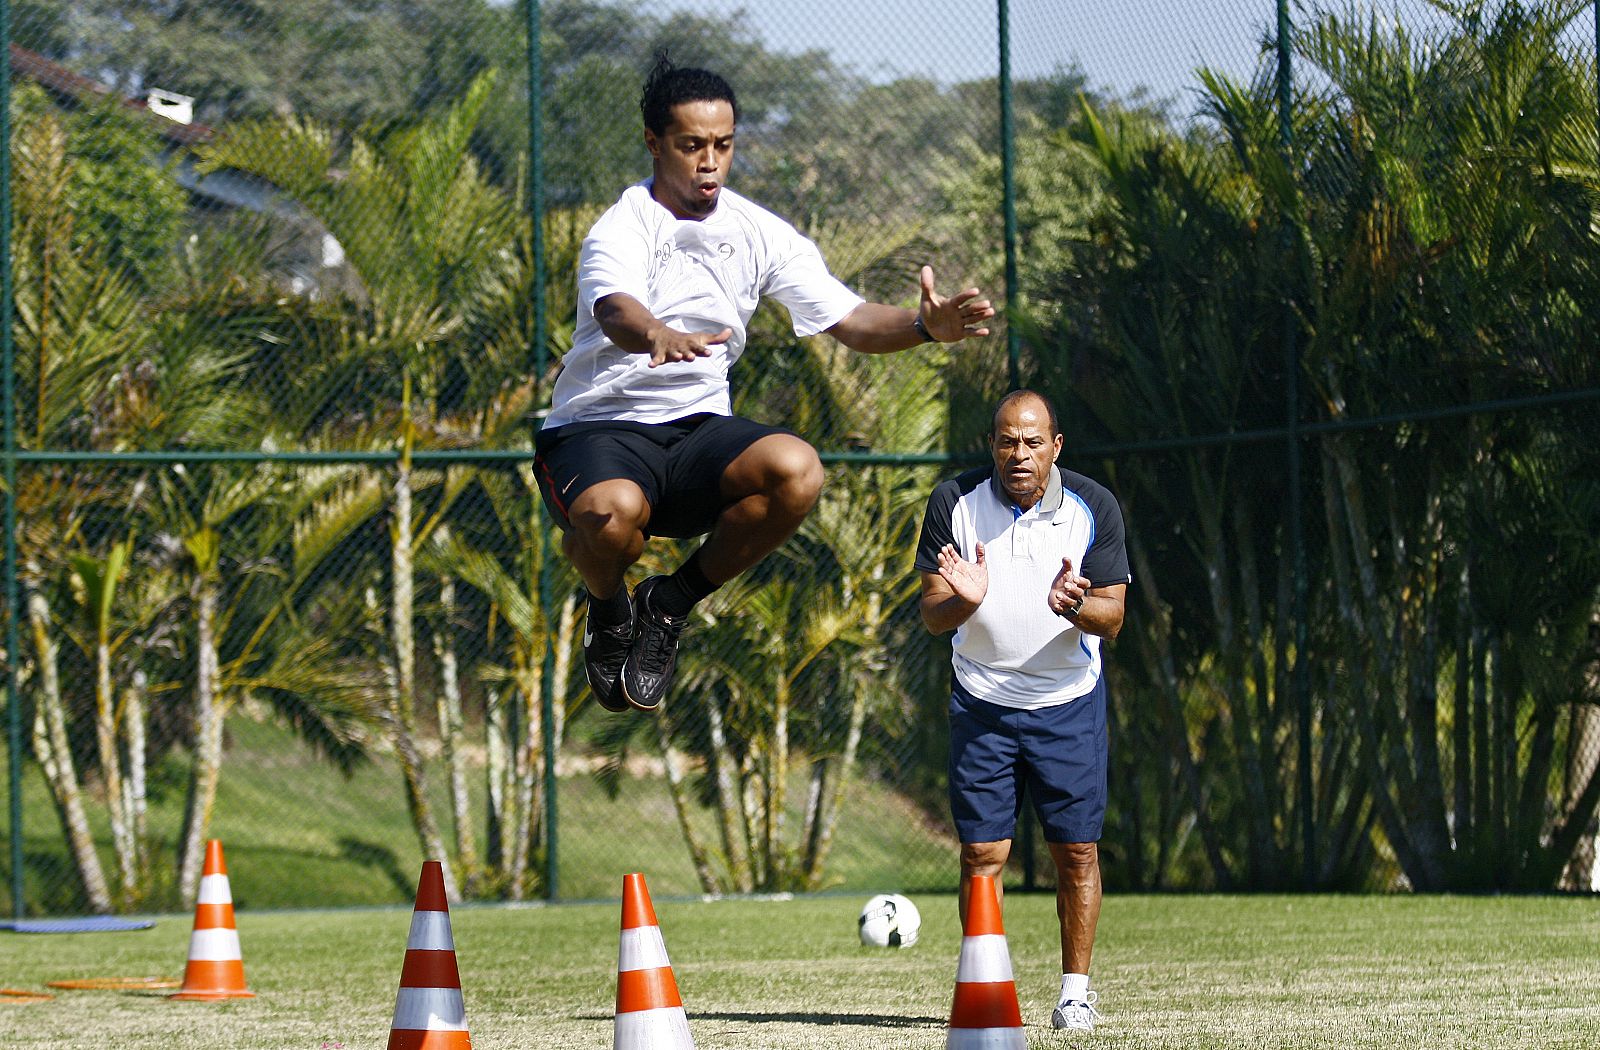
(648, 670)
(604, 650)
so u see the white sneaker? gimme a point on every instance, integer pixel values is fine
(1079, 1015)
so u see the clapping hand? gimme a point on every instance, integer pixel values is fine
(1068, 589)
(968, 579)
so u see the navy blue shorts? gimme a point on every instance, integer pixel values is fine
(1059, 752)
(678, 465)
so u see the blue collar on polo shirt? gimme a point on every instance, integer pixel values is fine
(1049, 503)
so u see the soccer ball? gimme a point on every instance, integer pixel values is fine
(889, 921)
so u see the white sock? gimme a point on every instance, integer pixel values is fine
(1074, 986)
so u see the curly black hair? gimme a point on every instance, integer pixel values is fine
(668, 85)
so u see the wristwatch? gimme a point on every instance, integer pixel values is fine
(1070, 613)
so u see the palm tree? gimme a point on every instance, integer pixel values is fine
(497, 560)
(96, 580)
(434, 245)
(1467, 167)
(1429, 231)
(77, 322)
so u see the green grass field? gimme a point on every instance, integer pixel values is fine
(1173, 971)
(299, 834)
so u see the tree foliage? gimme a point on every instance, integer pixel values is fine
(1424, 244)
(1429, 241)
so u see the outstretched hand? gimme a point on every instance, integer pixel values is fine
(968, 579)
(669, 344)
(952, 320)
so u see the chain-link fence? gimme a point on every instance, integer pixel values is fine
(291, 281)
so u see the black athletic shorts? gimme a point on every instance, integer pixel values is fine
(678, 465)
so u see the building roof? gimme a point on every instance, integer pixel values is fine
(66, 84)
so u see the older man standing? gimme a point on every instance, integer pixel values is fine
(1026, 562)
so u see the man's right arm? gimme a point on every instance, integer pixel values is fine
(953, 593)
(632, 327)
(942, 608)
(952, 588)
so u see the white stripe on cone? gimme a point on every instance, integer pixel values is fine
(430, 930)
(986, 1039)
(214, 945)
(642, 949)
(984, 960)
(666, 1027)
(214, 890)
(430, 1010)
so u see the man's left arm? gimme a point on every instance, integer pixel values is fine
(1093, 610)
(1095, 599)
(874, 328)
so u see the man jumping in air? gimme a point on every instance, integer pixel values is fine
(641, 439)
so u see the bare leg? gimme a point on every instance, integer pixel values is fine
(1077, 901)
(770, 488)
(606, 534)
(982, 858)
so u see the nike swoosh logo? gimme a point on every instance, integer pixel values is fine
(568, 486)
(588, 634)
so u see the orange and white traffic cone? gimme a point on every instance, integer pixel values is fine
(649, 1012)
(216, 969)
(985, 1015)
(429, 1013)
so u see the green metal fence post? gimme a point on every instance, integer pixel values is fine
(535, 196)
(1008, 159)
(8, 362)
(1299, 682)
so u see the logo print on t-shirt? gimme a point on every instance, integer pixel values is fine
(725, 250)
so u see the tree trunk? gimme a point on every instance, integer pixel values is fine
(54, 751)
(105, 732)
(1387, 759)
(133, 717)
(775, 847)
(1483, 835)
(566, 630)
(1583, 764)
(1505, 769)
(449, 713)
(752, 794)
(206, 768)
(830, 792)
(681, 805)
(1429, 806)
(1461, 730)
(1178, 728)
(496, 775)
(403, 697)
(1258, 810)
(731, 819)
(525, 769)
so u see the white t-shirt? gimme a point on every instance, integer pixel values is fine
(1013, 650)
(696, 276)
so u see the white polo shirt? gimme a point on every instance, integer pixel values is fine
(694, 275)
(1014, 651)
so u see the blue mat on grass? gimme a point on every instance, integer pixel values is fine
(87, 924)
